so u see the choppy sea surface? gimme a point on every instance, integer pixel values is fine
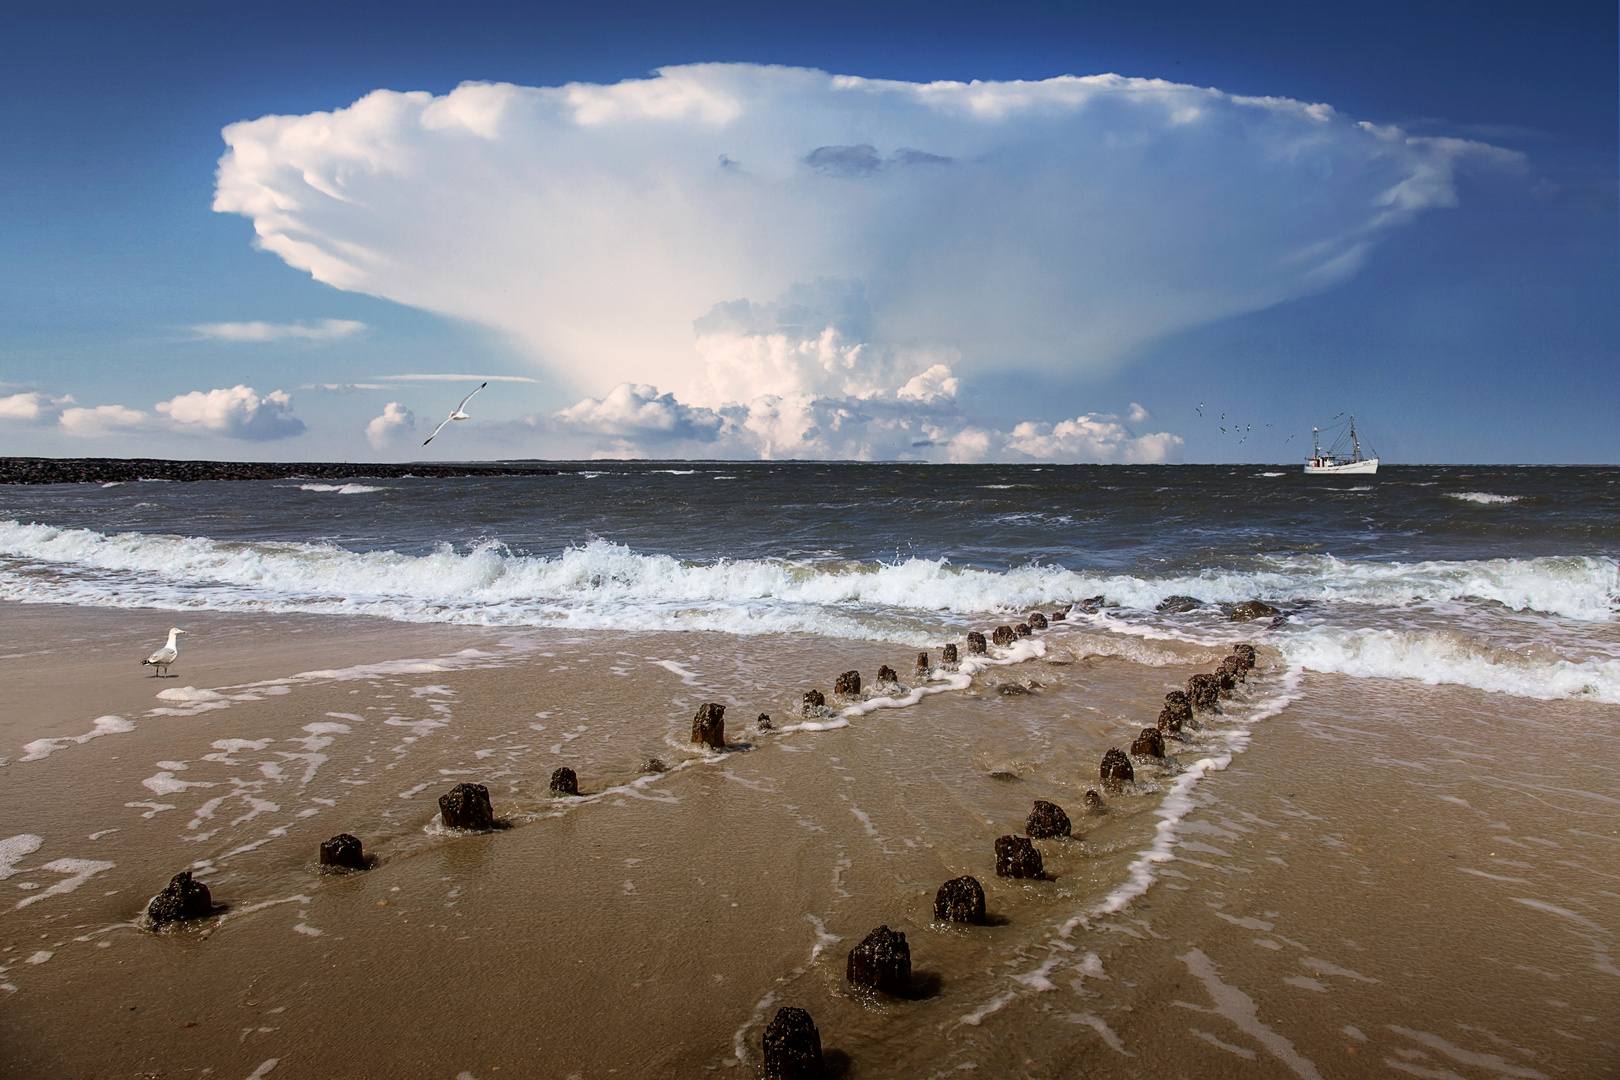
(1501, 579)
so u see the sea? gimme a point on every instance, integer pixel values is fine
(1500, 579)
(1391, 849)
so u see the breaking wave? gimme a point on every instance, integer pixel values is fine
(913, 601)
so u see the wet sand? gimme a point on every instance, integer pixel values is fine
(1332, 908)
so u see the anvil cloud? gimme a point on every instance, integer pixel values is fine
(728, 233)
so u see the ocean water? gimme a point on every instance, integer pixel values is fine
(1500, 579)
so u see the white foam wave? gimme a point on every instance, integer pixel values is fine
(1483, 497)
(341, 489)
(1448, 657)
(608, 585)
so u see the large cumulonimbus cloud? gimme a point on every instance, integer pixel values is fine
(735, 232)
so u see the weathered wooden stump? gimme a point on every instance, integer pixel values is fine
(764, 723)
(1204, 691)
(1177, 711)
(343, 850)
(881, 962)
(1047, 820)
(564, 782)
(1095, 804)
(1023, 630)
(1116, 769)
(466, 806)
(182, 898)
(1003, 636)
(792, 1046)
(947, 654)
(960, 900)
(1037, 621)
(654, 765)
(887, 674)
(848, 684)
(813, 700)
(1253, 609)
(709, 726)
(1016, 857)
(976, 643)
(1149, 744)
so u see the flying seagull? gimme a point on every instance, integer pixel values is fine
(164, 656)
(458, 413)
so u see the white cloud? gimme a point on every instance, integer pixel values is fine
(102, 420)
(32, 406)
(237, 413)
(1090, 438)
(637, 421)
(392, 427)
(1050, 224)
(325, 330)
(640, 412)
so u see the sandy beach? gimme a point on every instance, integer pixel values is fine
(1382, 877)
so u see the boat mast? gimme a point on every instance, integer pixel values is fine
(1316, 444)
(1354, 442)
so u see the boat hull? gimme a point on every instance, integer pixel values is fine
(1349, 468)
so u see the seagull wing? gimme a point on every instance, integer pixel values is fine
(163, 655)
(469, 397)
(436, 430)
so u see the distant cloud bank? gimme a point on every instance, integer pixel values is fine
(239, 412)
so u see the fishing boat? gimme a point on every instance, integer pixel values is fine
(1334, 461)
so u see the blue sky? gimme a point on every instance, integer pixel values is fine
(1482, 331)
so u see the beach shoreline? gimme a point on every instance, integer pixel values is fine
(651, 926)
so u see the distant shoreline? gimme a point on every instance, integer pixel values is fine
(21, 470)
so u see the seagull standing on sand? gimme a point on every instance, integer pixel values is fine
(458, 413)
(164, 656)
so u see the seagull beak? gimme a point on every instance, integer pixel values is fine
(180, 631)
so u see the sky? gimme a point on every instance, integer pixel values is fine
(1154, 232)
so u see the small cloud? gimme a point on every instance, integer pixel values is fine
(844, 160)
(395, 423)
(919, 157)
(93, 423)
(342, 387)
(325, 330)
(441, 377)
(1136, 413)
(32, 407)
(236, 413)
(640, 411)
(1091, 438)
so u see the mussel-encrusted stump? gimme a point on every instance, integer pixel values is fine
(709, 726)
(1116, 770)
(1047, 820)
(848, 684)
(466, 806)
(1016, 857)
(343, 850)
(182, 899)
(792, 1046)
(564, 782)
(960, 900)
(1149, 744)
(881, 962)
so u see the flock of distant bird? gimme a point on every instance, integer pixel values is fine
(1242, 432)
